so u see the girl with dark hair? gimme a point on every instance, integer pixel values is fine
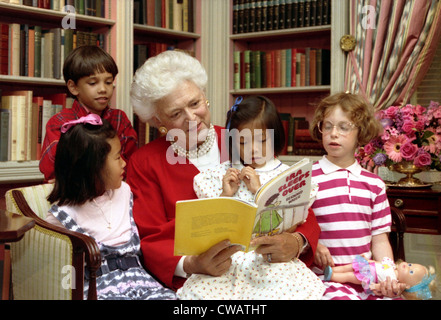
(91, 197)
(255, 137)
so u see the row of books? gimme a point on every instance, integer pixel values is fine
(146, 132)
(257, 15)
(298, 138)
(292, 67)
(23, 119)
(36, 52)
(170, 14)
(143, 51)
(94, 8)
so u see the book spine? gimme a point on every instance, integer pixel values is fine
(247, 70)
(37, 53)
(5, 128)
(235, 16)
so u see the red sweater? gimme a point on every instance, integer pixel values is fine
(117, 118)
(156, 186)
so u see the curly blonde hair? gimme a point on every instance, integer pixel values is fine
(360, 112)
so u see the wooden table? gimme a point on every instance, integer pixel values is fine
(420, 206)
(13, 226)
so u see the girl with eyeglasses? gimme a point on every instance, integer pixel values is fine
(351, 205)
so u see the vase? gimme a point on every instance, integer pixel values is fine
(409, 169)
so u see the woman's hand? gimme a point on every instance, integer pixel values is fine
(279, 248)
(251, 179)
(214, 262)
(230, 182)
(323, 257)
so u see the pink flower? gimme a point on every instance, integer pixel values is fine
(393, 146)
(369, 148)
(409, 150)
(419, 110)
(423, 159)
(411, 132)
(407, 111)
(420, 124)
(408, 126)
(391, 112)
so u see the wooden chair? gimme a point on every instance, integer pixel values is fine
(49, 263)
(396, 237)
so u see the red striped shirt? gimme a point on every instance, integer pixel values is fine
(116, 117)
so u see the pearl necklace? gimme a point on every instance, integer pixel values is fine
(109, 222)
(201, 150)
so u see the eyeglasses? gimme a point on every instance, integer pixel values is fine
(343, 128)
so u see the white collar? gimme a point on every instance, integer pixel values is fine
(329, 167)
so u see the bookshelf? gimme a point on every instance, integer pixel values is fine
(120, 35)
(97, 26)
(295, 99)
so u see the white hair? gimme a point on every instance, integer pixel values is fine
(159, 76)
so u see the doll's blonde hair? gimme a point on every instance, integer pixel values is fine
(432, 286)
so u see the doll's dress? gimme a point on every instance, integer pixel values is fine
(369, 272)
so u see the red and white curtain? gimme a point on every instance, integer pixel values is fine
(396, 42)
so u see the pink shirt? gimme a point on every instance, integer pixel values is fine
(351, 206)
(116, 206)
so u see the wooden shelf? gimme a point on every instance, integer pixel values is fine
(151, 31)
(281, 90)
(32, 81)
(18, 171)
(258, 36)
(49, 16)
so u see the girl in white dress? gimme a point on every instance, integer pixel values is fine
(256, 136)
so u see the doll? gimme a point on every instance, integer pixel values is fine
(419, 280)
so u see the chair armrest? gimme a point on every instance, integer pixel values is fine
(397, 239)
(398, 219)
(81, 243)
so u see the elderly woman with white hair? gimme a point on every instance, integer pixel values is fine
(168, 92)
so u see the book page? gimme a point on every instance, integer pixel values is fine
(283, 201)
(202, 223)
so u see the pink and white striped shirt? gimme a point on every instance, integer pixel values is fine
(351, 206)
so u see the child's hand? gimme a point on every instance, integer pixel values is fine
(323, 257)
(251, 179)
(230, 182)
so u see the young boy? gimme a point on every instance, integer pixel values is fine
(89, 72)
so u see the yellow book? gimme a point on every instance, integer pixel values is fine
(278, 205)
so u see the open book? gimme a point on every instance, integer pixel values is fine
(278, 205)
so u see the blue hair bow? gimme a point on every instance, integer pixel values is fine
(422, 289)
(233, 109)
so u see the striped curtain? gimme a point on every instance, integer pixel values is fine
(396, 42)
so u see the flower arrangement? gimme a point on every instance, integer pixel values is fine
(411, 133)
